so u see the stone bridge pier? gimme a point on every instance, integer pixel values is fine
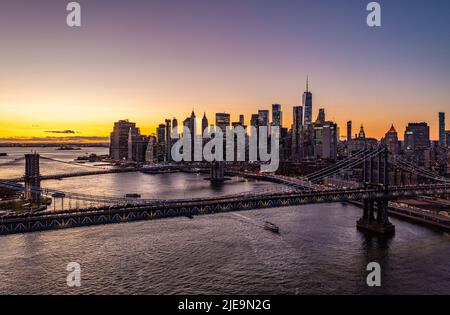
(379, 166)
(380, 223)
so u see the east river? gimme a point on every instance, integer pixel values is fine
(318, 250)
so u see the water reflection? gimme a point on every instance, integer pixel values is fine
(224, 253)
(374, 241)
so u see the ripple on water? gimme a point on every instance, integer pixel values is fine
(318, 251)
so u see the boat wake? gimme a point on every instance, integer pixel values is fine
(265, 225)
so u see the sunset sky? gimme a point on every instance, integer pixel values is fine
(150, 60)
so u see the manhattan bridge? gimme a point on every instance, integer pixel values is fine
(378, 184)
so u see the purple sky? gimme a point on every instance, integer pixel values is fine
(148, 60)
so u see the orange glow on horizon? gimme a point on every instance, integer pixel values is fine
(100, 127)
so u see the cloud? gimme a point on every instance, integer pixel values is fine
(61, 131)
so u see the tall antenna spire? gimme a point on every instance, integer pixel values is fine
(307, 83)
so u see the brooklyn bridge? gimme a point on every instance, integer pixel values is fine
(382, 179)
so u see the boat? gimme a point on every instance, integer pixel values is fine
(3, 154)
(68, 148)
(190, 216)
(132, 196)
(58, 195)
(88, 158)
(271, 227)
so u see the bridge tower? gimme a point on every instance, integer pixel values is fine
(217, 171)
(32, 178)
(379, 165)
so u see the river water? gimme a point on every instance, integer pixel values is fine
(318, 250)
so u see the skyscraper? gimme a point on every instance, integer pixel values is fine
(193, 131)
(417, 137)
(32, 178)
(161, 143)
(391, 139)
(442, 129)
(185, 124)
(263, 117)
(130, 145)
(168, 141)
(296, 131)
(349, 130)
(175, 131)
(204, 128)
(204, 123)
(149, 154)
(254, 120)
(297, 118)
(277, 115)
(321, 116)
(223, 121)
(240, 123)
(118, 148)
(307, 104)
(137, 145)
(241, 120)
(161, 133)
(192, 125)
(139, 148)
(362, 133)
(325, 139)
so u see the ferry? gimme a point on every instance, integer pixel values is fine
(132, 196)
(3, 154)
(68, 148)
(271, 227)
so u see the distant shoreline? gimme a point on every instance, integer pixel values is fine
(53, 144)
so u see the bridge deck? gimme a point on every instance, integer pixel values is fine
(154, 210)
